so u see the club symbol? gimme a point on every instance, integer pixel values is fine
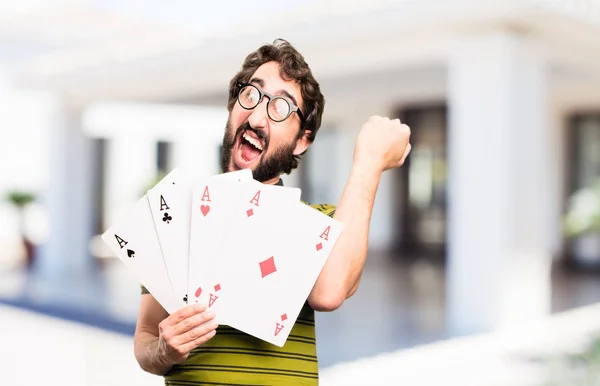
(130, 253)
(167, 218)
(185, 299)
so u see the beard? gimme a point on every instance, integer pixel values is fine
(281, 161)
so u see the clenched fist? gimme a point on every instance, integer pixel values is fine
(382, 143)
(185, 330)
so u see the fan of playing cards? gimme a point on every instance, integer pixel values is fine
(250, 251)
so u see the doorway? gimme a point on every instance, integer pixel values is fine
(421, 185)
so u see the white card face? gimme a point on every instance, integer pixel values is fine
(256, 213)
(134, 240)
(274, 279)
(243, 175)
(170, 202)
(213, 202)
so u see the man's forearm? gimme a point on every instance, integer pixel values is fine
(148, 354)
(340, 275)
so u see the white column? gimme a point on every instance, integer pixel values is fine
(67, 197)
(498, 267)
(130, 170)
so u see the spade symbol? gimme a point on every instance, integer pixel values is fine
(185, 299)
(167, 218)
(130, 253)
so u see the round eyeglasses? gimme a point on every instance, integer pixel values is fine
(278, 108)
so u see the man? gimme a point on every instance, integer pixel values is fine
(275, 107)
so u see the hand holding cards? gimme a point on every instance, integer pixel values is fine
(249, 251)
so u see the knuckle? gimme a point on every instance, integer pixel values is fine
(167, 337)
(171, 342)
(193, 334)
(187, 322)
(179, 315)
(203, 339)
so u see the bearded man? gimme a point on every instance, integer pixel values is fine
(275, 107)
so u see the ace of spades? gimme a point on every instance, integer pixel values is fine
(133, 239)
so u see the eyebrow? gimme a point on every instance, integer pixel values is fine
(261, 83)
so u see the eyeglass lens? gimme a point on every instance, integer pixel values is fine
(278, 108)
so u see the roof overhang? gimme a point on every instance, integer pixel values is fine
(338, 41)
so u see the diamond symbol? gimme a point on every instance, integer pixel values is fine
(217, 287)
(319, 246)
(267, 267)
(283, 317)
(249, 212)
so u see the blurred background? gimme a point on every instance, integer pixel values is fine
(484, 254)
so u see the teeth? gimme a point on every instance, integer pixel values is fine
(253, 141)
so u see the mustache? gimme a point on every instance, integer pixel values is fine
(259, 133)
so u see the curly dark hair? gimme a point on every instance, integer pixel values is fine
(292, 67)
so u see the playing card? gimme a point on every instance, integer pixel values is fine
(272, 281)
(133, 239)
(213, 202)
(249, 230)
(170, 203)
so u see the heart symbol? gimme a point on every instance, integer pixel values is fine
(204, 209)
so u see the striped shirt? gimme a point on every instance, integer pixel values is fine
(233, 357)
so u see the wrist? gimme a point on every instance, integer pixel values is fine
(367, 165)
(163, 356)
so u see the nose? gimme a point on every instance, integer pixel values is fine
(258, 117)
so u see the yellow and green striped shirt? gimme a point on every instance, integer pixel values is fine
(232, 357)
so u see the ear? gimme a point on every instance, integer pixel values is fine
(302, 144)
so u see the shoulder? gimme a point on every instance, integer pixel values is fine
(328, 209)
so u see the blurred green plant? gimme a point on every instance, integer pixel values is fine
(576, 369)
(583, 211)
(20, 200)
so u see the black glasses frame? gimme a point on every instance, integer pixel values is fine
(262, 94)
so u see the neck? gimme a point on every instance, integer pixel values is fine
(272, 181)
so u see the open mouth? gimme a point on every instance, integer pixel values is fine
(250, 147)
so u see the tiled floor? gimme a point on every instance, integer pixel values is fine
(398, 305)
